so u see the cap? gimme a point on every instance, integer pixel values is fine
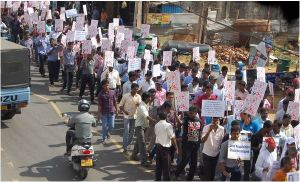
(271, 142)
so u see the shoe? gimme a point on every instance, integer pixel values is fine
(108, 135)
(104, 142)
(145, 164)
(67, 153)
(134, 158)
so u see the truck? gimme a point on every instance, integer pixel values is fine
(15, 78)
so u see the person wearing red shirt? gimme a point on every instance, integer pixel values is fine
(208, 95)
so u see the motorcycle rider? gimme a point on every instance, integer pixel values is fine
(80, 126)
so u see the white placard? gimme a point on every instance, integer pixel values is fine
(94, 42)
(62, 16)
(116, 22)
(212, 57)
(271, 88)
(156, 70)
(173, 81)
(238, 108)
(229, 90)
(86, 47)
(297, 135)
(41, 26)
(59, 25)
(80, 35)
(167, 58)
(109, 58)
(49, 15)
(182, 101)
(213, 108)
(79, 23)
(119, 39)
(128, 34)
(94, 23)
(71, 13)
(261, 74)
(84, 9)
(154, 43)
(196, 54)
(130, 52)
(100, 32)
(34, 18)
(30, 10)
(239, 149)
(120, 29)
(134, 64)
(293, 110)
(93, 31)
(145, 30)
(106, 45)
(297, 95)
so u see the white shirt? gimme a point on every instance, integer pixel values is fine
(213, 143)
(130, 104)
(141, 115)
(113, 78)
(193, 89)
(265, 159)
(220, 80)
(145, 86)
(164, 132)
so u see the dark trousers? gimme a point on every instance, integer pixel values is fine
(209, 164)
(56, 71)
(68, 80)
(42, 63)
(52, 65)
(162, 163)
(189, 154)
(247, 169)
(78, 77)
(70, 137)
(87, 79)
(140, 144)
(236, 174)
(98, 86)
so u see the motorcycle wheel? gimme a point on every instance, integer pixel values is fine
(83, 173)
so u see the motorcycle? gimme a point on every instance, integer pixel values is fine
(82, 158)
(82, 155)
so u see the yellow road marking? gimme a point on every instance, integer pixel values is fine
(118, 146)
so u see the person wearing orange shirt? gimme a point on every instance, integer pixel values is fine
(286, 167)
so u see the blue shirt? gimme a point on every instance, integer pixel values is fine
(188, 80)
(53, 55)
(123, 70)
(253, 126)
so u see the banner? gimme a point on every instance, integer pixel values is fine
(213, 108)
(70, 36)
(94, 23)
(130, 52)
(181, 101)
(79, 23)
(106, 45)
(238, 109)
(261, 74)
(109, 58)
(86, 47)
(93, 31)
(119, 39)
(212, 57)
(173, 81)
(167, 58)
(253, 100)
(239, 149)
(134, 64)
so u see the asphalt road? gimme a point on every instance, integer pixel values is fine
(33, 143)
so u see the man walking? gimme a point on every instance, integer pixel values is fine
(165, 137)
(52, 59)
(107, 109)
(128, 106)
(142, 123)
(69, 67)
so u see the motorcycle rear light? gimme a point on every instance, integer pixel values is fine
(86, 152)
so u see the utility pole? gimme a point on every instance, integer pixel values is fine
(138, 14)
(200, 23)
(146, 11)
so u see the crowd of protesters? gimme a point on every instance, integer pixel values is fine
(173, 138)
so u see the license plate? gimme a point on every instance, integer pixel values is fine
(3, 107)
(86, 162)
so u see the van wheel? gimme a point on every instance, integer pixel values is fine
(8, 115)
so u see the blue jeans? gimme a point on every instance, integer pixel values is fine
(128, 132)
(108, 123)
